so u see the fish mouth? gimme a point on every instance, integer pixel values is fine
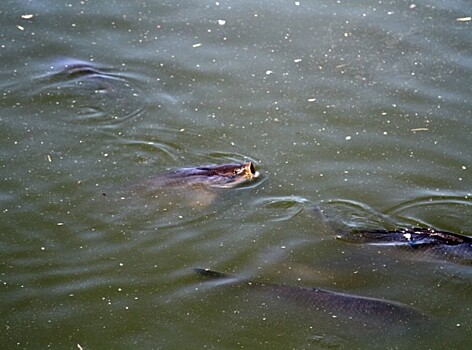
(231, 175)
(250, 171)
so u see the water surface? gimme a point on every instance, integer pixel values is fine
(361, 109)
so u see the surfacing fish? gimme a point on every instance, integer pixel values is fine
(425, 241)
(211, 176)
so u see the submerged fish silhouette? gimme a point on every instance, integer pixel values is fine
(364, 311)
(430, 242)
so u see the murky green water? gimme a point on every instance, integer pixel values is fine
(362, 109)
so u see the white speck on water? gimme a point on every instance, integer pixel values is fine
(348, 138)
(43, 248)
(297, 60)
(27, 16)
(196, 45)
(221, 22)
(464, 19)
(269, 72)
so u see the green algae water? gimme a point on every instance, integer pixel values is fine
(359, 109)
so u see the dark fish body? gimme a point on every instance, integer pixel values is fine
(212, 176)
(427, 241)
(80, 70)
(371, 312)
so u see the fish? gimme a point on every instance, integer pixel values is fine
(210, 176)
(422, 241)
(194, 187)
(354, 309)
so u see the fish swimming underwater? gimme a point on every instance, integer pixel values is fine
(425, 241)
(348, 308)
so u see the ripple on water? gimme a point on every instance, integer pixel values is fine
(280, 208)
(94, 94)
(420, 211)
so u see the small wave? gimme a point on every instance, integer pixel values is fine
(281, 208)
(94, 94)
(427, 211)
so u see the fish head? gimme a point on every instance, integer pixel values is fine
(231, 175)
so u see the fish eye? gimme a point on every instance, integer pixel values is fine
(239, 170)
